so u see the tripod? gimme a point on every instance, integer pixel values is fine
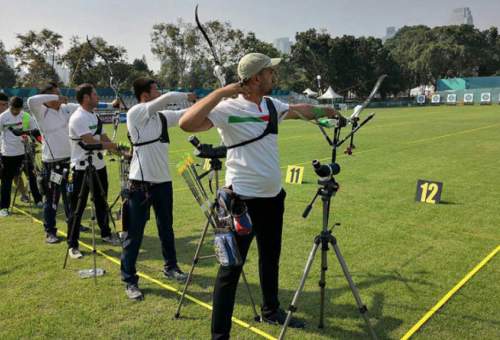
(123, 195)
(194, 182)
(328, 188)
(88, 176)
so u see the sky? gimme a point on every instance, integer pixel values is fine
(128, 23)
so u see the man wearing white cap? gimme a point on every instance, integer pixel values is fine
(248, 126)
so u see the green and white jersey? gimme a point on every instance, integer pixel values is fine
(81, 123)
(12, 145)
(253, 169)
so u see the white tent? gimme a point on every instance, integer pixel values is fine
(330, 94)
(425, 90)
(310, 93)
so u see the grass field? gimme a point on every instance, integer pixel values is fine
(404, 256)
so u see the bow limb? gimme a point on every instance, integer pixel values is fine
(112, 84)
(218, 69)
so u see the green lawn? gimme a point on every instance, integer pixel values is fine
(404, 256)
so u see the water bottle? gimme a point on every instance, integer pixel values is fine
(86, 273)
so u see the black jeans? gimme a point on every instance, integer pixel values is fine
(142, 197)
(53, 192)
(267, 220)
(100, 204)
(11, 168)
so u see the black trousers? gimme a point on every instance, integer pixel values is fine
(53, 192)
(100, 204)
(11, 168)
(267, 220)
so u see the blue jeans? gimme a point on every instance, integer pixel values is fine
(141, 199)
(53, 192)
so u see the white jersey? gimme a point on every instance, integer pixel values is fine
(53, 125)
(253, 170)
(150, 162)
(81, 123)
(11, 144)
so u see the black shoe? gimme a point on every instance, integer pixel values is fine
(175, 273)
(84, 229)
(278, 317)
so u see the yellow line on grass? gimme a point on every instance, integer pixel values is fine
(448, 295)
(163, 285)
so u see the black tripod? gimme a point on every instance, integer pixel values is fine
(194, 182)
(328, 188)
(123, 195)
(88, 176)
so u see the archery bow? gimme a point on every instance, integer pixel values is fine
(113, 85)
(218, 69)
(354, 118)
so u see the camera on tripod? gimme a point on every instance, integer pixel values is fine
(207, 150)
(325, 171)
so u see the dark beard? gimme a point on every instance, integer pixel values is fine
(268, 92)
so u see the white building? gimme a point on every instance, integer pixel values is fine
(11, 61)
(284, 45)
(389, 33)
(461, 16)
(62, 70)
(63, 73)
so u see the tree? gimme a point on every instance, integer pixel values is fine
(37, 54)
(138, 68)
(427, 54)
(186, 57)
(346, 63)
(7, 74)
(87, 66)
(175, 45)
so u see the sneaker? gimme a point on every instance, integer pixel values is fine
(39, 204)
(278, 318)
(134, 293)
(175, 273)
(74, 253)
(112, 239)
(25, 199)
(51, 239)
(4, 213)
(123, 235)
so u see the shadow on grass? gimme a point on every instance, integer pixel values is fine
(449, 203)
(308, 304)
(382, 324)
(151, 249)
